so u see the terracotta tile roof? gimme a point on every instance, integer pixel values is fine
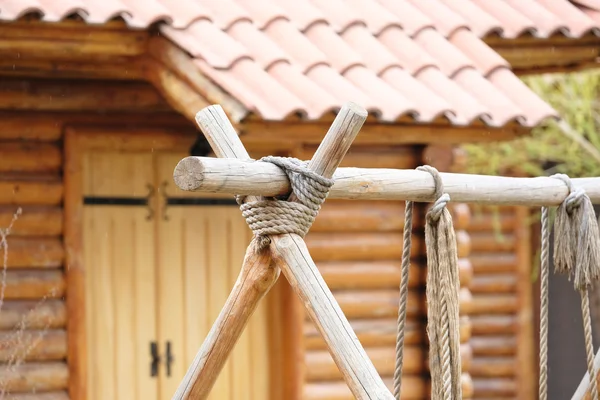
(423, 58)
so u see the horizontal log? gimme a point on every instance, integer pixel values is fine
(494, 388)
(35, 252)
(488, 367)
(60, 395)
(235, 176)
(489, 221)
(30, 157)
(384, 303)
(321, 367)
(358, 246)
(413, 387)
(82, 95)
(381, 274)
(34, 377)
(370, 333)
(371, 156)
(24, 193)
(492, 242)
(366, 216)
(485, 325)
(494, 345)
(379, 303)
(37, 345)
(461, 215)
(496, 283)
(494, 304)
(486, 263)
(34, 284)
(33, 221)
(27, 314)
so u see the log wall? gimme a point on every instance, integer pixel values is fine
(357, 246)
(502, 314)
(33, 312)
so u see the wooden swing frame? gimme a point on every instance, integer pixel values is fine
(234, 173)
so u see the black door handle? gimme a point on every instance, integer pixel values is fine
(169, 358)
(155, 359)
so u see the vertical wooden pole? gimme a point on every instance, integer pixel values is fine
(74, 268)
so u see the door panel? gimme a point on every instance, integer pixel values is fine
(204, 247)
(120, 280)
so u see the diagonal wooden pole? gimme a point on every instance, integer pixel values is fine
(351, 358)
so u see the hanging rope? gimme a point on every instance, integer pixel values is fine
(442, 297)
(545, 267)
(276, 216)
(408, 217)
(577, 254)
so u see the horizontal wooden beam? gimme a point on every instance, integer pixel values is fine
(58, 395)
(34, 377)
(34, 284)
(242, 177)
(33, 221)
(82, 95)
(495, 388)
(28, 192)
(37, 345)
(30, 157)
(35, 252)
(33, 314)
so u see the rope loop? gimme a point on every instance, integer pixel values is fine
(442, 198)
(276, 216)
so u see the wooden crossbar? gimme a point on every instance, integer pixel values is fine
(206, 174)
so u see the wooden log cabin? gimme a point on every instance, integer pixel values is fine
(112, 277)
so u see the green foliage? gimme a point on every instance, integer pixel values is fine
(576, 97)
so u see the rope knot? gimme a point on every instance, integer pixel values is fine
(442, 198)
(577, 240)
(276, 216)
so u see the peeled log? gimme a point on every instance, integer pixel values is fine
(33, 221)
(498, 283)
(413, 387)
(34, 284)
(486, 263)
(378, 304)
(382, 274)
(494, 388)
(321, 367)
(504, 222)
(493, 324)
(24, 193)
(30, 157)
(360, 216)
(500, 367)
(23, 314)
(39, 396)
(492, 242)
(38, 345)
(494, 304)
(24, 252)
(358, 246)
(494, 345)
(34, 377)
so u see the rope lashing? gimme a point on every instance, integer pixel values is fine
(276, 216)
(442, 292)
(577, 254)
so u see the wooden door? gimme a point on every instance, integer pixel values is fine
(201, 244)
(120, 280)
(160, 264)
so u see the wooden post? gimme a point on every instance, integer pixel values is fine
(211, 357)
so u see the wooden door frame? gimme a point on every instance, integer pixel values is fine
(287, 380)
(77, 141)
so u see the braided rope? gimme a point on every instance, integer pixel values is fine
(276, 216)
(577, 254)
(442, 296)
(407, 244)
(545, 267)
